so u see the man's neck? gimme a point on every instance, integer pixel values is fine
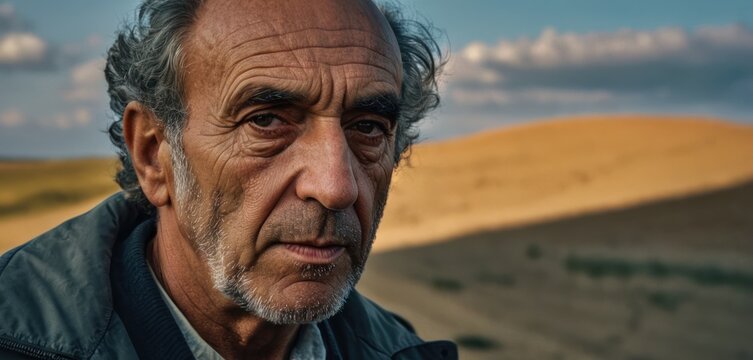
(230, 330)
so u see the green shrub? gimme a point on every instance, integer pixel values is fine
(706, 275)
(534, 252)
(476, 342)
(448, 285)
(665, 300)
(507, 280)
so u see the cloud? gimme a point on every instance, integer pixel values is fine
(667, 66)
(22, 49)
(87, 81)
(542, 95)
(61, 121)
(554, 50)
(9, 20)
(11, 118)
(77, 117)
(82, 116)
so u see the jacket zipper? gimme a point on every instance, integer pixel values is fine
(28, 350)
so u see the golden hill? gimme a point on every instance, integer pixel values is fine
(515, 175)
(36, 195)
(557, 168)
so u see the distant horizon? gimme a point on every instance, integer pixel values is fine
(6, 158)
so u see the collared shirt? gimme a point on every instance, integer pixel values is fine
(309, 344)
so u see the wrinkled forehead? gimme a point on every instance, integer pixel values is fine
(224, 25)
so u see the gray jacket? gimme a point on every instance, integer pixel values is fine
(56, 300)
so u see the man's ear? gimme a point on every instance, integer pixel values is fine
(147, 147)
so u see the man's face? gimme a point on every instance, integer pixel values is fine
(289, 149)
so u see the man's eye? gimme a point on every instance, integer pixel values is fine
(263, 120)
(369, 127)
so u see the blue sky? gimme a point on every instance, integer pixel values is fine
(492, 20)
(511, 62)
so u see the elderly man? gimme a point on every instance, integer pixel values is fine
(258, 140)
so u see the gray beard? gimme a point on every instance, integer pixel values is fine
(233, 280)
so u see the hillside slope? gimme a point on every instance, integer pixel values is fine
(515, 175)
(666, 280)
(550, 169)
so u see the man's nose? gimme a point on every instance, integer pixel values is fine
(327, 175)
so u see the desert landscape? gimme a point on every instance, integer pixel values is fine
(596, 237)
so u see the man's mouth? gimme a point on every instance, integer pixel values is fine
(315, 254)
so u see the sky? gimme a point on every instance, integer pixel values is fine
(510, 62)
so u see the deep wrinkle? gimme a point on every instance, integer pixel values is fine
(325, 180)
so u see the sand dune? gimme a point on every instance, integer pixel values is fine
(550, 169)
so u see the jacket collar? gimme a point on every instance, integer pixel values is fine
(364, 330)
(56, 294)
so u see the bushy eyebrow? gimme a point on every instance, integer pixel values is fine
(386, 105)
(263, 96)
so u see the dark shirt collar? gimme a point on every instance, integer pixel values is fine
(146, 317)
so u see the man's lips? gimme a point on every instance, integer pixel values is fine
(314, 254)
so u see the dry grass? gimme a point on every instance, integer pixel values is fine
(666, 280)
(660, 281)
(516, 175)
(37, 195)
(545, 170)
(29, 186)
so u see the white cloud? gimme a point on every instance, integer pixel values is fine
(553, 49)
(22, 48)
(735, 36)
(61, 121)
(82, 116)
(463, 69)
(527, 96)
(89, 72)
(87, 81)
(18, 46)
(12, 118)
(708, 64)
(702, 71)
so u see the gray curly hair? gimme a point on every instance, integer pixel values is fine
(145, 61)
